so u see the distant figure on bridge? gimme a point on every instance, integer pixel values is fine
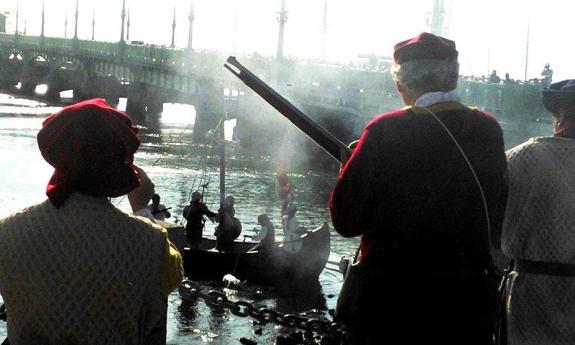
(414, 190)
(494, 78)
(159, 211)
(546, 76)
(229, 227)
(194, 214)
(508, 79)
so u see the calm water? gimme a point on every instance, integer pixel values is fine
(177, 168)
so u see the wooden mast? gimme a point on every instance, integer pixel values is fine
(222, 162)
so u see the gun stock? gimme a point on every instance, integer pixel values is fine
(323, 138)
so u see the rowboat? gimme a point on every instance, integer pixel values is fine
(250, 262)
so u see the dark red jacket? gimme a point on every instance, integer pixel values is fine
(407, 189)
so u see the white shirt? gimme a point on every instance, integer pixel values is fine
(262, 233)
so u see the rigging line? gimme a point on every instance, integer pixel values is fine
(119, 200)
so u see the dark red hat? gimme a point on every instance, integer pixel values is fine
(91, 146)
(424, 46)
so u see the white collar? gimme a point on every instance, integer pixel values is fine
(430, 98)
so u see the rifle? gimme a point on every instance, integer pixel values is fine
(323, 138)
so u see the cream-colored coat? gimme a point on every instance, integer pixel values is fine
(540, 225)
(84, 273)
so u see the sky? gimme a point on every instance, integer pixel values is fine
(490, 34)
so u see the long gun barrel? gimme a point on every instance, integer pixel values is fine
(327, 141)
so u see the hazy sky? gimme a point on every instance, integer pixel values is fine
(490, 34)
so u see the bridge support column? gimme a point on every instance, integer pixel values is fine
(136, 103)
(155, 107)
(209, 110)
(52, 93)
(107, 87)
(27, 88)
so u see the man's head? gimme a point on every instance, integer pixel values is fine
(229, 201)
(196, 196)
(155, 199)
(559, 99)
(263, 218)
(91, 146)
(425, 63)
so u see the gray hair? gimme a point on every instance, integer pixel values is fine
(427, 75)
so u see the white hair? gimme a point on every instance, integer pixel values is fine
(427, 75)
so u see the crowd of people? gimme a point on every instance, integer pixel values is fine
(441, 208)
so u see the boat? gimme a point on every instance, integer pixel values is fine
(248, 260)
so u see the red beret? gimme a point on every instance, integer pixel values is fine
(424, 46)
(91, 146)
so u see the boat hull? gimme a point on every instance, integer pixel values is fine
(273, 266)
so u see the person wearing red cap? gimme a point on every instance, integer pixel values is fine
(538, 228)
(75, 269)
(425, 187)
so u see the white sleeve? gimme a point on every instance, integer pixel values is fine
(261, 234)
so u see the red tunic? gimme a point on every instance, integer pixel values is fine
(409, 192)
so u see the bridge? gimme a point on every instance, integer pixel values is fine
(342, 98)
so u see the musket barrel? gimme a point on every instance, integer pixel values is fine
(322, 137)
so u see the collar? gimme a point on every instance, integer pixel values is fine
(431, 98)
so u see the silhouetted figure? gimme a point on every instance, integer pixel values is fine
(229, 227)
(494, 78)
(508, 79)
(159, 211)
(283, 190)
(195, 213)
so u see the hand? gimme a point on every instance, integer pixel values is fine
(141, 196)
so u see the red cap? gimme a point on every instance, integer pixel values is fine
(424, 46)
(91, 146)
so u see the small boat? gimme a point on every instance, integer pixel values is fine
(284, 262)
(248, 261)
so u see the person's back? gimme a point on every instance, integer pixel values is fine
(409, 191)
(87, 273)
(538, 229)
(74, 269)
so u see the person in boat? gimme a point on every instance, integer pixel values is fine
(292, 230)
(195, 213)
(266, 234)
(538, 228)
(229, 227)
(159, 211)
(408, 190)
(74, 268)
(283, 191)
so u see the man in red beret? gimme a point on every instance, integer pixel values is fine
(75, 269)
(425, 188)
